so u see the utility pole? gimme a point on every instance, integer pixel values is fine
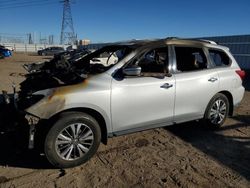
(67, 32)
(30, 38)
(51, 39)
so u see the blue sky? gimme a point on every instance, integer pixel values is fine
(115, 20)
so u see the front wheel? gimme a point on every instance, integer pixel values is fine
(73, 140)
(217, 111)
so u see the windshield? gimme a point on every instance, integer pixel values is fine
(103, 59)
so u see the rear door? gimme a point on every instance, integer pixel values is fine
(196, 83)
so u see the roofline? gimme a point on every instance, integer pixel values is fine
(168, 40)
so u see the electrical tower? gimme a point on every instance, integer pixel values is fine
(67, 33)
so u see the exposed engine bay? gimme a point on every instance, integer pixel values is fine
(69, 68)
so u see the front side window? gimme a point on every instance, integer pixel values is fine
(219, 58)
(190, 59)
(153, 62)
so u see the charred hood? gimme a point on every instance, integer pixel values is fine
(63, 69)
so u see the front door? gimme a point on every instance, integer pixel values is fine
(144, 101)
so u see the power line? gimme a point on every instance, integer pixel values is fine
(20, 2)
(2, 1)
(10, 4)
(14, 34)
(27, 5)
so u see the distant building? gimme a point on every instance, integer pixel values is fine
(83, 42)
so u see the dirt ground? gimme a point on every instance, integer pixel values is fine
(185, 155)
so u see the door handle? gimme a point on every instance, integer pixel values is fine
(167, 85)
(213, 79)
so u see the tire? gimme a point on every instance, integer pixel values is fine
(43, 54)
(217, 111)
(73, 140)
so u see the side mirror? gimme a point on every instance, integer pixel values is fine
(132, 71)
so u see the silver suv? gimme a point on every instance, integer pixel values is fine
(74, 104)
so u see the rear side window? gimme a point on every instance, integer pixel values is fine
(219, 58)
(190, 59)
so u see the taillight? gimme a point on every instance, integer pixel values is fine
(241, 73)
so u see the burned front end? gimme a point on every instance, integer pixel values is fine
(42, 92)
(59, 71)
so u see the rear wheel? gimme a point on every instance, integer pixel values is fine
(73, 140)
(217, 111)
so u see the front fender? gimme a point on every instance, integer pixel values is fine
(71, 97)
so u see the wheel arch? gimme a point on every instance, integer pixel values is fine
(95, 114)
(230, 100)
(218, 122)
(45, 125)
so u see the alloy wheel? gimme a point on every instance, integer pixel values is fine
(74, 141)
(218, 112)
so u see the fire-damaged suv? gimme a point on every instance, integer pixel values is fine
(71, 104)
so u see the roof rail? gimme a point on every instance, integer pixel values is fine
(208, 41)
(170, 38)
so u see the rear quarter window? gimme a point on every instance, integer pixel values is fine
(219, 58)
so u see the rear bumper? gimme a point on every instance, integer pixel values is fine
(238, 95)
